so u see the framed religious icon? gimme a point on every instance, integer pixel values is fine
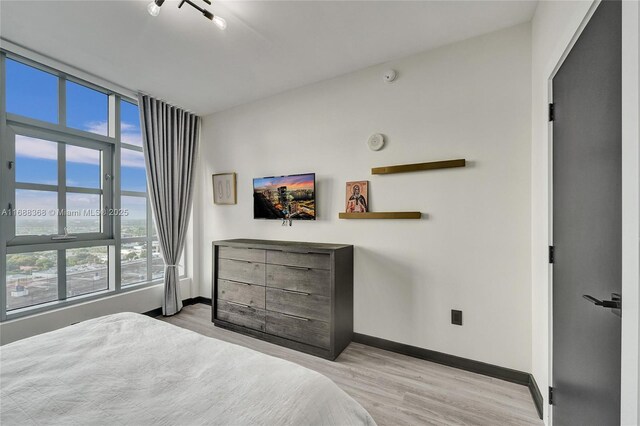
(357, 197)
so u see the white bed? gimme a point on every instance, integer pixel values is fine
(134, 370)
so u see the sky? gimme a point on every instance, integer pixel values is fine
(33, 93)
(291, 182)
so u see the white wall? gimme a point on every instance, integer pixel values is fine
(471, 251)
(553, 28)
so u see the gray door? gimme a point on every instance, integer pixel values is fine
(587, 225)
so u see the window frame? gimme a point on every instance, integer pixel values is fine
(19, 126)
(110, 235)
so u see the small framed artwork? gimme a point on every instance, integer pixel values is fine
(357, 197)
(224, 188)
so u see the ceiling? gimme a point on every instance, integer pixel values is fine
(268, 46)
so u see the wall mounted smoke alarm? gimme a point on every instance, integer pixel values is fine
(376, 142)
(390, 75)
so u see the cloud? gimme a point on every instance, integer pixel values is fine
(128, 127)
(36, 148)
(130, 133)
(76, 154)
(41, 149)
(99, 127)
(132, 138)
(83, 201)
(136, 207)
(130, 158)
(36, 200)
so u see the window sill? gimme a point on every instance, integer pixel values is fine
(61, 304)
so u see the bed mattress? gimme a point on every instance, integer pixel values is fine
(131, 369)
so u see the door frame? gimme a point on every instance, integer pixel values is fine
(630, 349)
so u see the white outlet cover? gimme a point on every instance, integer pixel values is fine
(376, 142)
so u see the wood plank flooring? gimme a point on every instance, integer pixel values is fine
(395, 389)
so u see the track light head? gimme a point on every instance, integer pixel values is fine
(219, 22)
(154, 7)
(208, 15)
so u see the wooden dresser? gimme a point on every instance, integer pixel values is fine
(295, 294)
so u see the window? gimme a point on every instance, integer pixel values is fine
(32, 278)
(78, 216)
(133, 170)
(130, 124)
(31, 92)
(87, 109)
(140, 254)
(136, 227)
(36, 160)
(87, 270)
(40, 200)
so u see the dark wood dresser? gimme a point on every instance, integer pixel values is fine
(295, 294)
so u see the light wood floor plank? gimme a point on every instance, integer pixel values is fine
(395, 389)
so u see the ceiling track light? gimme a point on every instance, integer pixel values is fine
(154, 9)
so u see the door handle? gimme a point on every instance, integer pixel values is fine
(614, 303)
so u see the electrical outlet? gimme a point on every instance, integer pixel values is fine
(456, 317)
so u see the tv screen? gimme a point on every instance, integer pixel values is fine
(279, 197)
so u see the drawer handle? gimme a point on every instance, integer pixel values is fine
(234, 282)
(300, 268)
(302, 293)
(295, 317)
(239, 304)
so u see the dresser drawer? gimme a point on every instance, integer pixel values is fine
(305, 305)
(235, 253)
(241, 271)
(247, 294)
(239, 314)
(314, 281)
(306, 260)
(309, 331)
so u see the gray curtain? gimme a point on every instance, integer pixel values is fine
(170, 139)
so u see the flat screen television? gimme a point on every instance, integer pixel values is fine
(279, 197)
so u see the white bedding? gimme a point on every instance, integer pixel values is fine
(135, 370)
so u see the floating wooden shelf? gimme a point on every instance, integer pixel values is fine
(381, 215)
(447, 164)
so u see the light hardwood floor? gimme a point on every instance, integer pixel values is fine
(395, 389)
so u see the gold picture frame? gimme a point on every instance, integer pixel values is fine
(224, 188)
(357, 197)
